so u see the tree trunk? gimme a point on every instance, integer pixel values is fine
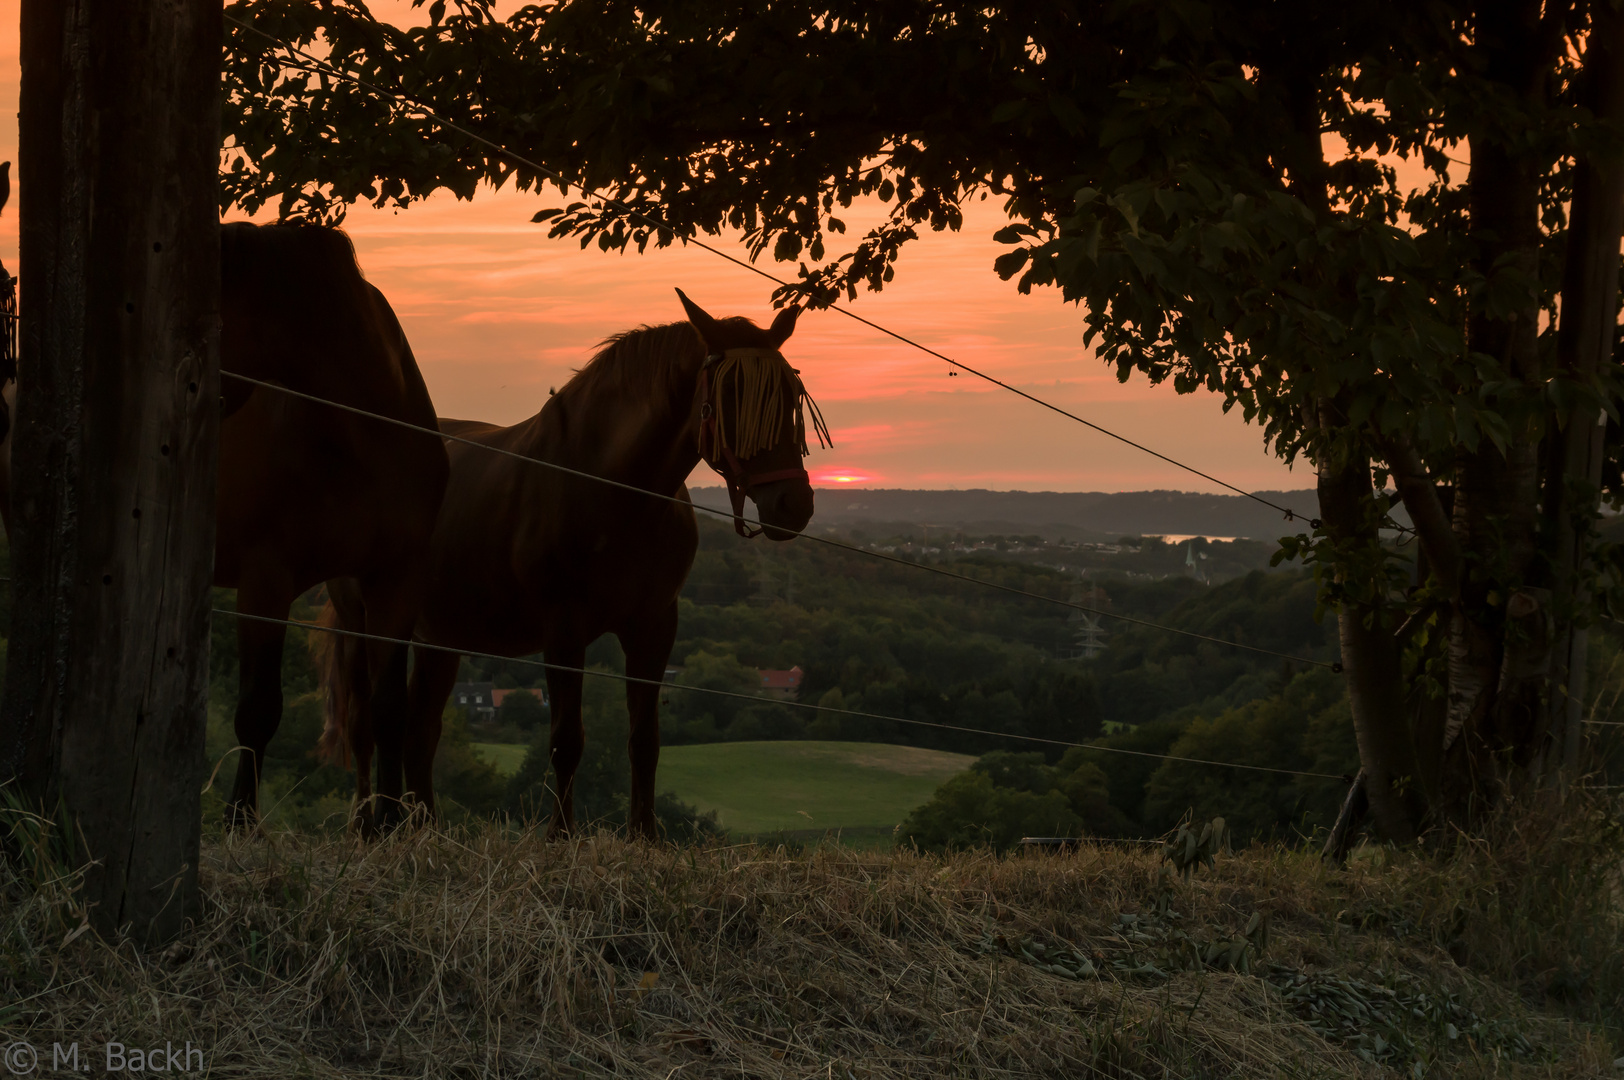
(1371, 656)
(1585, 343)
(114, 454)
(1499, 654)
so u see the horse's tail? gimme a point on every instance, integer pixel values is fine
(339, 660)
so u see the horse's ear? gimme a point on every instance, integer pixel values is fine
(706, 325)
(783, 326)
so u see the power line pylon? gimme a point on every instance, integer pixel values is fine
(1088, 636)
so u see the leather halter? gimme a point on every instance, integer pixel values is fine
(719, 456)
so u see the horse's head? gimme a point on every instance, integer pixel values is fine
(751, 410)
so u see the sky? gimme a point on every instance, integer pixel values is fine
(497, 313)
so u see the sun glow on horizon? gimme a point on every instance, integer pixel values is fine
(842, 477)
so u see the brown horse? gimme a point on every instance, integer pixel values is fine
(529, 559)
(308, 493)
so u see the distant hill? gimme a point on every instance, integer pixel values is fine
(1083, 515)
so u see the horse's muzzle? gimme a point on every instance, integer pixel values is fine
(784, 506)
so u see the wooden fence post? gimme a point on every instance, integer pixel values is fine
(114, 452)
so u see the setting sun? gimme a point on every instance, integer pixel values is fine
(841, 476)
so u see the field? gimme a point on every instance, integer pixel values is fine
(507, 757)
(490, 952)
(862, 789)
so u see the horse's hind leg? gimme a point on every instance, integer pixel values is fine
(353, 682)
(392, 603)
(259, 692)
(647, 651)
(434, 673)
(362, 741)
(568, 736)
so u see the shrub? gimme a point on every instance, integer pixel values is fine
(1005, 796)
(1305, 726)
(464, 783)
(522, 710)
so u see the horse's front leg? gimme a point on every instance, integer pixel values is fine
(348, 685)
(568, 735)
(259, 691)
(648, 650)
(434, 673)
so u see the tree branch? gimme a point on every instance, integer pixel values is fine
(1420, 497)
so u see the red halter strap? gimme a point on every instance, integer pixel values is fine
(729, 468)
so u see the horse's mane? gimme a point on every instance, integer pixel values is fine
(647, 360)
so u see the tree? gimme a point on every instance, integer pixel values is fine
(703, 717)
(1005, 796)
(470, 786)
(114, 456)
(1217, 183)
(1304, 727)
(521, 709)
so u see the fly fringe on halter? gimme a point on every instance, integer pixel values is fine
(755, 380)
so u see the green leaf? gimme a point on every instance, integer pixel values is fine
(1012, 233)
(1008, 111)
(1009, 263)
(787, 247)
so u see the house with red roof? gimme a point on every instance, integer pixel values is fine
(781, 684)
(498, 694)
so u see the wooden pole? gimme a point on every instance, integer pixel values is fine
(117, 418)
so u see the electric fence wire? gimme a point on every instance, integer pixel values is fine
(880, 555)
(327, 67)
(620, 677)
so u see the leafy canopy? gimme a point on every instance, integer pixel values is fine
(1161, 163)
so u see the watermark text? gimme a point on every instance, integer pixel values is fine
(104, 1059)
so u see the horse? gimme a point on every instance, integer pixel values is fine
(308, 493)
(529, 559)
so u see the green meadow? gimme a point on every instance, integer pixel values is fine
(507, 757)
(800, 787)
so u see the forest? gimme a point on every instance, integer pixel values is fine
(888, 639)
(933, 653)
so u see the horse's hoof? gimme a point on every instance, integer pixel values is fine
(362, 825)
(241, 818)
(388, 818)
(407, 813)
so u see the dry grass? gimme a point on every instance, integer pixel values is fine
(493, 953)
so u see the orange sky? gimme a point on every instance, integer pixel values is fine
(497, 313)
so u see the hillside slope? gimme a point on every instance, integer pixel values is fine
(494, 953)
